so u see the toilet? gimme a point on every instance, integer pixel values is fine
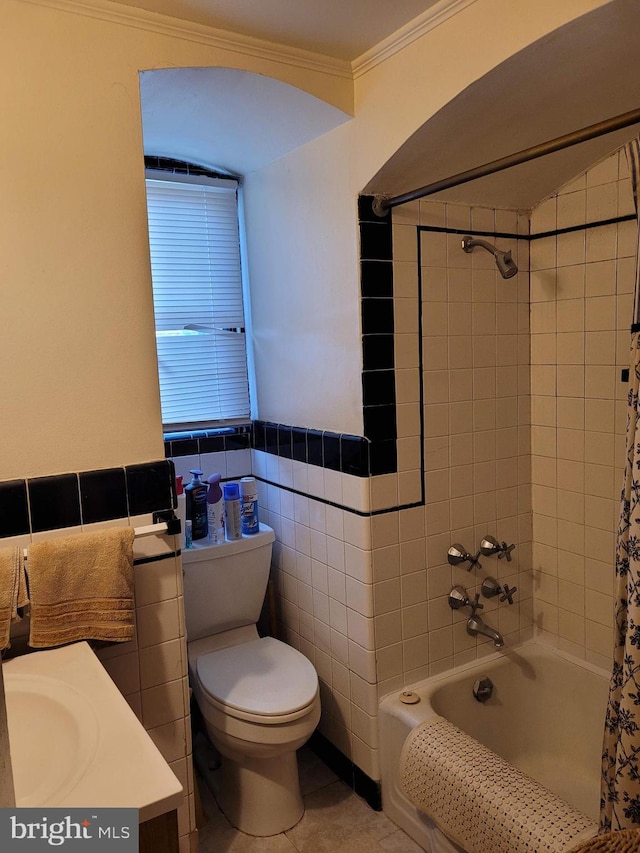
(258, 696)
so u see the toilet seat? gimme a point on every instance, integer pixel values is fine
(263, 681)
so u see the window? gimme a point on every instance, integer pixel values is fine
(197, 297)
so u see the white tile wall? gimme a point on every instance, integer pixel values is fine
(581, 306)
(153, 676)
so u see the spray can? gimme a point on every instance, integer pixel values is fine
(249, 504)
(215, 510)
(196, 493)
(232, 513)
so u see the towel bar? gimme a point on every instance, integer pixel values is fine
(146, 530)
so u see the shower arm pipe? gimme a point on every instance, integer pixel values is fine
(382, 204)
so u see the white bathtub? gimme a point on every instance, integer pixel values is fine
(546, 717)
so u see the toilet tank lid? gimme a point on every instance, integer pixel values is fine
(263, 676)
(204, 550)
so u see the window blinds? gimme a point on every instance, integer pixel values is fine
(195, 267)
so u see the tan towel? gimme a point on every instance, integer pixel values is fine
(13, 591)
(81, 588)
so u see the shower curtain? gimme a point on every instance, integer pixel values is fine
(620, 788)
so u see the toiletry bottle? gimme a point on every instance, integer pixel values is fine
(196, 493)
(232, 512)
(215, 510)
(188, 533)
(181, 509)
(249, 505)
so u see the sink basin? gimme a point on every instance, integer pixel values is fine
(74, 740)
(53, 736)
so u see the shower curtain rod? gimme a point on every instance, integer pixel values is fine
(382, 204)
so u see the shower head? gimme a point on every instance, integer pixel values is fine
(505, 263)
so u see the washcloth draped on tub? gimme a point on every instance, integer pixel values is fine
(13, 591)
(479, 800)
(81, 588)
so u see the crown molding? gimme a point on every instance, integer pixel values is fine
(415, 29)
(131, 16)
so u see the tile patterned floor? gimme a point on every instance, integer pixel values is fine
(336, 820)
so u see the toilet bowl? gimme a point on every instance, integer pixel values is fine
(258, 697)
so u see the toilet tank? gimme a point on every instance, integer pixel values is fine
(225, 585)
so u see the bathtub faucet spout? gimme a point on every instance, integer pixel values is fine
(475, 626)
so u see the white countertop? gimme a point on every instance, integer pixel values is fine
(78, 742)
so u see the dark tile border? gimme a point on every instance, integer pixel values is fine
(194, 442)
(54, 502)
(348, 454)
(366, 787)
(181, 167)
(378, 343)
(87, 497)
(103, 495)
(14, 509)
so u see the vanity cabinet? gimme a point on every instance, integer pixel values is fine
(160, 834)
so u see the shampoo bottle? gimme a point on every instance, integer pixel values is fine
(215, 510)
(249, 502)
(232, 516)
(196, 493)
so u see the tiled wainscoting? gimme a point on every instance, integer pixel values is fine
(360, 562)
(151, 670)
(581, 311)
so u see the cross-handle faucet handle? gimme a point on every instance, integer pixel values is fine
(506, 551)
(490, 546)
(474, 562)
(490, 588)
(459, 597)
(475, 604)
(507, 594)
(458, 554)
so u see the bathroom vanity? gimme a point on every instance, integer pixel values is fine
(75, 742)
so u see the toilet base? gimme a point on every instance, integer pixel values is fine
(261, 796)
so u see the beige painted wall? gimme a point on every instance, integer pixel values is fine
(78, 349)
(78, 359)
(393, 99)
(301, 221)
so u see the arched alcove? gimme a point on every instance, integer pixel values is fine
(578, 75)
(233, 120)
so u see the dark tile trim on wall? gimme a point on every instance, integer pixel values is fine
(193, 442)
(378, 351)
(181, 167)
(68, 500)
(339, 452)
(348, 454)
(628, 217)
(357, 779)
